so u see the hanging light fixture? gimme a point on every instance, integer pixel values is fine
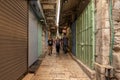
(65, 1)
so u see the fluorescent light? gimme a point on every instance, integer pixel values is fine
(58, 15)
(58, 12)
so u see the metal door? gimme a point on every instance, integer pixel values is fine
(85, 36)
(73, 29)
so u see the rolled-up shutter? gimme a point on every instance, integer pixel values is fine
(13, 39)
(33, 38)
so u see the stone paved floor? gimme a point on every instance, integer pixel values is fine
(61, 67)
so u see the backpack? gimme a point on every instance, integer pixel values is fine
(57, 43)
(50, 42)
(65, 41)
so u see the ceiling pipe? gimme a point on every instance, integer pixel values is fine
(40, 7)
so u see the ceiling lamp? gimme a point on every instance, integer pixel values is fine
(41, 20)
(65, 1)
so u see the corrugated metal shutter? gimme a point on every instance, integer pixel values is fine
(13, 39)
(33, 38)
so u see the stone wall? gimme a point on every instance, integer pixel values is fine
(116, 49)
(102, 38)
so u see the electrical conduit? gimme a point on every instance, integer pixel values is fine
(112, 33)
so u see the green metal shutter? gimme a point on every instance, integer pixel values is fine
(39, 39)
(85, 36)
(13, 39)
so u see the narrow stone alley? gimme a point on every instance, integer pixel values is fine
(61, 67)
(89, 30)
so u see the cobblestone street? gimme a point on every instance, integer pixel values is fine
(61, 67)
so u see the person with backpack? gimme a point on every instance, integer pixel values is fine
(57, 46)
(50, 44)
(65, 43)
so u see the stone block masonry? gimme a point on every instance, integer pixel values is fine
(116, 49)
(102, 38)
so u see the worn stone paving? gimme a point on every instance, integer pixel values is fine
(61, 67)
